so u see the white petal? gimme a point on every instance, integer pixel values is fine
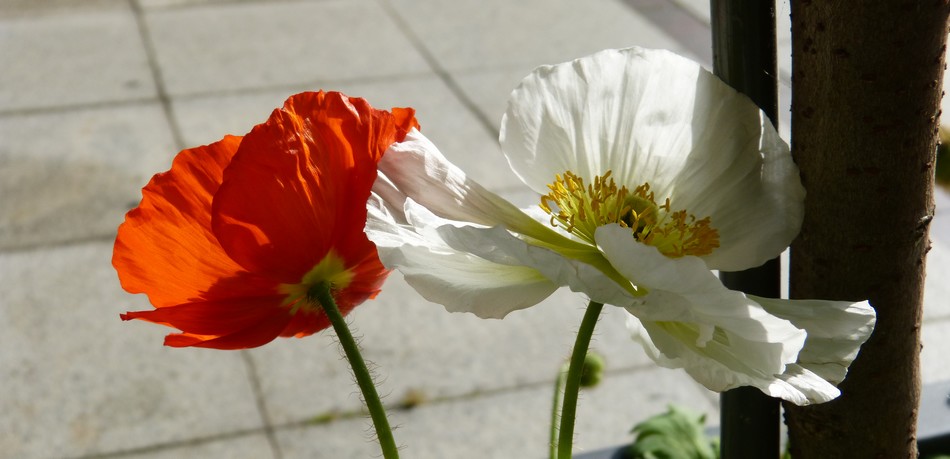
(418, 170)
(722, 338)
(723, 363)
(797, 350)
(498, 245)
(836, 330)
(625, 110)
(802, 387)
(465, 283)
(652, 116)
(756, 203)
(415, 171)
(697, 297)
(459, 281)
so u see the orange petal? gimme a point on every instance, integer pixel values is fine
(368, 276)
(405, 119)
(280, 198)
(217, 318)
(305, 323)
(298, 185)
(165, 247)
(255, 335)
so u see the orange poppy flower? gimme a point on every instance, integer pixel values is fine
(228, 243)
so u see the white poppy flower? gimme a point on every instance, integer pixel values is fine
(651, 173)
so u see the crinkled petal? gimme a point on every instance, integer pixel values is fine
(416, 169)
(836, 330)
(722, 364)
(213, 317)
(802, 386)
(166, 249)
(307, 322)
(698, 297)
(459, 281)
(498, 245)
(465, 283)
(255, 335)
(795, 350)
(216, 236)
(236, 323)
(757, 211)
(654, 117)
(718, 323)
(298, 185)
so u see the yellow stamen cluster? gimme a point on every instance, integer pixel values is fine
(580, 209)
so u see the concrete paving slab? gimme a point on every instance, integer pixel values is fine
(489, 90)
(936, 288)
(698, 8)
(255, 45)
(942, 200)
(690, 32)
(498, 34)
(940, 226)
(165, 4)
(423, 351)
(55, 60)
(254, 446)
(206, 119)
(72, 175)
(77, 380)
(157, 4)
(935, 336)
(17, 9)
(506, 424)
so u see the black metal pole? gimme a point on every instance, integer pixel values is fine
(744, 56)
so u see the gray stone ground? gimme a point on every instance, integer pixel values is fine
(98, 95)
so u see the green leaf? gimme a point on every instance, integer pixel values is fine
(676, 434)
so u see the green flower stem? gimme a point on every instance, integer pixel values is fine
(572, 386)
(556, 409)
(321, 294)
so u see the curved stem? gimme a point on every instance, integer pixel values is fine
(321, 294)
(572, 386)
(556, 410)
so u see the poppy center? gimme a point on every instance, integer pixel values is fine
(330, 273)
(580, 209)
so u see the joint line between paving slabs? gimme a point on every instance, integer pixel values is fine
(167, 446)
(156, 71)
(437, 68)
(261, 404)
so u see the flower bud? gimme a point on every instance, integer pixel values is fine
(593, 370)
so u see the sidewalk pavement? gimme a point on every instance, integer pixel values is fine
(98, 95)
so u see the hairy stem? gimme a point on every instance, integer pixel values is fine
(321, 294)
(572, 386)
